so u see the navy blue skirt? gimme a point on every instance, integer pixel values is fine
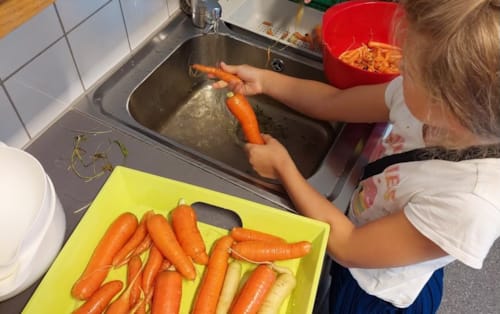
(346, 296)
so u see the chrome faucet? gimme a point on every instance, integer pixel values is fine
(206, 14)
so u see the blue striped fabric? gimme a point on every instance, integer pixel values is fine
(347, 297)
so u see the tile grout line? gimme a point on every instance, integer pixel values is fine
(125, 25)
(65, 35)
(15, 109)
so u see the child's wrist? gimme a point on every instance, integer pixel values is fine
(264, 80)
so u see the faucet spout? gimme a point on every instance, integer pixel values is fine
(206, 14)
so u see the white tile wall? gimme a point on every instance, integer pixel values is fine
(44, 88)
(27, 41)
(99, 43)
(143, 18)
(49, 61)
(73, 12)
(11, 129)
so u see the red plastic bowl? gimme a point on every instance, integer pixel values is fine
(346, 26)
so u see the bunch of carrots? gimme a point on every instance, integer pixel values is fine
(374, 57)
(160, 253)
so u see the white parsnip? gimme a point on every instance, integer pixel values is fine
(229, 288)
(280, 290)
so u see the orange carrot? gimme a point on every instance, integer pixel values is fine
(100, 299)
(144, 245)
(185, 226)
(300, 36)
(244, 113)
(374, 57)
(253, 293)
(165, 265)
(318, 36)
(99, 264)
(126, 251)
(164, 238)
(134, 269)
(122, 304)
(262, 251)
(167, 293)
(213, 279)
(144, 302)
(217, 72)
(152, 267)
(377, 44)
(244, 234)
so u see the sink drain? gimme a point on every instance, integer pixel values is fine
(277, 65)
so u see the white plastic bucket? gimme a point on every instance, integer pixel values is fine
(32, 221)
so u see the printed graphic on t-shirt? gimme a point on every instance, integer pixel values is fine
(366, 196)
(374, 192)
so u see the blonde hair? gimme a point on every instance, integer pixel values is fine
(453, 48)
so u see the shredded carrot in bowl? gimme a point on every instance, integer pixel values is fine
(374, 57)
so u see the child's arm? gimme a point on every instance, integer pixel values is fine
(313, 98)
(387, 242)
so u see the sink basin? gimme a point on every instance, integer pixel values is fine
(155, 96)
(182, 107)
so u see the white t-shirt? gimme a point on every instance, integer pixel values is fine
(454, 204)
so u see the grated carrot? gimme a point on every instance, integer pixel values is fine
(374, 57)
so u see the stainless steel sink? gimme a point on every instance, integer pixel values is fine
(183, 107)
(156, 96)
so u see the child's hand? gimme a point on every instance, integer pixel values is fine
(250, 76)
(266, 159)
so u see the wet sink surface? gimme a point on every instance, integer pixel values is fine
(182, 106)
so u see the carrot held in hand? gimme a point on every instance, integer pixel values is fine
(213, 279)
(245, 234)
(100, 299)
(99, 264)
(167, 293)
(252, 295)
(217, 72)
(244, 113)
(164, 238)
(262, 251)
(185, 226)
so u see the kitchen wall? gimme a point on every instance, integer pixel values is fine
(52, 59)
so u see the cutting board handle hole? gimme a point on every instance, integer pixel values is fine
(217, 216)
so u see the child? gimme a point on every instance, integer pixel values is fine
(406, 223)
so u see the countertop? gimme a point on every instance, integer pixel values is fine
(55, 146)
